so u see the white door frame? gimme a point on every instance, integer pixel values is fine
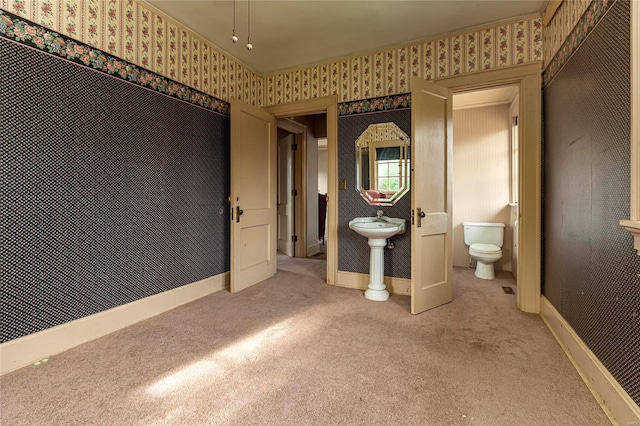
(529, 80)
(328, 105)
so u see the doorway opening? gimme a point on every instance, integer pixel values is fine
(302, 186)
(327, 107)
(485, 170)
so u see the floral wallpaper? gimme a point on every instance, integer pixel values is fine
(134, 31)
(141, 35)
(574, 35)
(563, 22)
(389, 72)
(385, 103)
(28, 33)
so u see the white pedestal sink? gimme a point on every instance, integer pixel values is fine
(377, 230)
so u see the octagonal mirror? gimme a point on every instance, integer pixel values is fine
(383, 164)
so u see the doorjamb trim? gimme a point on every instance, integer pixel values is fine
(529, 79)
(328, 105)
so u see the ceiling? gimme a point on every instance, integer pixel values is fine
(485, 97)
(290, 33)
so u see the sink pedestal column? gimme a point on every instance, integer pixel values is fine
(377, 290)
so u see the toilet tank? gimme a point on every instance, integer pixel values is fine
(483, 232)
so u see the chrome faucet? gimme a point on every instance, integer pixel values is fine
(379, 217)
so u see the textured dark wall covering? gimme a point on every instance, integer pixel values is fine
(109, 192)
(353, 250)
(591, 269)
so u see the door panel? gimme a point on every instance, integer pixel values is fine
(431, 159)
(285, 205)
(253, 196)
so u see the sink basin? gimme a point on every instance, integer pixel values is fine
(377, 230)
(371, 227)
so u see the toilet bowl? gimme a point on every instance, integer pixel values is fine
(485, 242)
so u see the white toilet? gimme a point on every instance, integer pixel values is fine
(485, 242)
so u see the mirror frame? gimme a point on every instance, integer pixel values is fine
(384, 135)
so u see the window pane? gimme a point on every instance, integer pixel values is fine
(383, 169)
(394, 169)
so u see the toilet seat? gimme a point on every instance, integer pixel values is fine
(481, 248)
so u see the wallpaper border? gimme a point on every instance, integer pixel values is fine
(28, 33)
(383, 103)
(587, 22)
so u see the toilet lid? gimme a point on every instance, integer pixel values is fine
(485, 248)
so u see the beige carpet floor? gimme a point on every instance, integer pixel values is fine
(295, 351)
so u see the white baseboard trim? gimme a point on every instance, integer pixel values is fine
(399, 286)
(313, 249)
(615, 402)
(26, 350)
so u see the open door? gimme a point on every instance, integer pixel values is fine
(253, 195)
(431, 166)
(285, 196)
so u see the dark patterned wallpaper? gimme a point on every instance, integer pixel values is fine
(110, 192)
(591, 270)
(353, 250)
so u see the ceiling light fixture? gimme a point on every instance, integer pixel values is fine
(249, 45)
(234, 38)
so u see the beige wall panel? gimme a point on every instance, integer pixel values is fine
(257, 85)
(71, 18)
(287, 89)
(113, 22)
(471, 46)
(416, 61)
(130, 32)
(160, 46)
(428, 71)
(296, 86)
(93, 24)
(205, 69)
(224, 77)
(239, 82)
(378, 81)
(246, 92)
(144, 40)
(315, 82)
(481, 176)
(46, 12)
(403, 71)
(325, 87)
(196, 57)
(442, 67)
(232, 87)
(269, 86)
(305, 84)
(334, 79)
(391, 75)
(215, 73)
(456, 46)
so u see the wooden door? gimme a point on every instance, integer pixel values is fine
(253, 196)
(431, 163)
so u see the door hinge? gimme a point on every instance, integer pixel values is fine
(294, 238)
(294, 147)
(294, 192)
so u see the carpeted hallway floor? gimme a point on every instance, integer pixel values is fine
(295, 351)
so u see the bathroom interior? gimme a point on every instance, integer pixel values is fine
(485, 170)
(485, 187)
